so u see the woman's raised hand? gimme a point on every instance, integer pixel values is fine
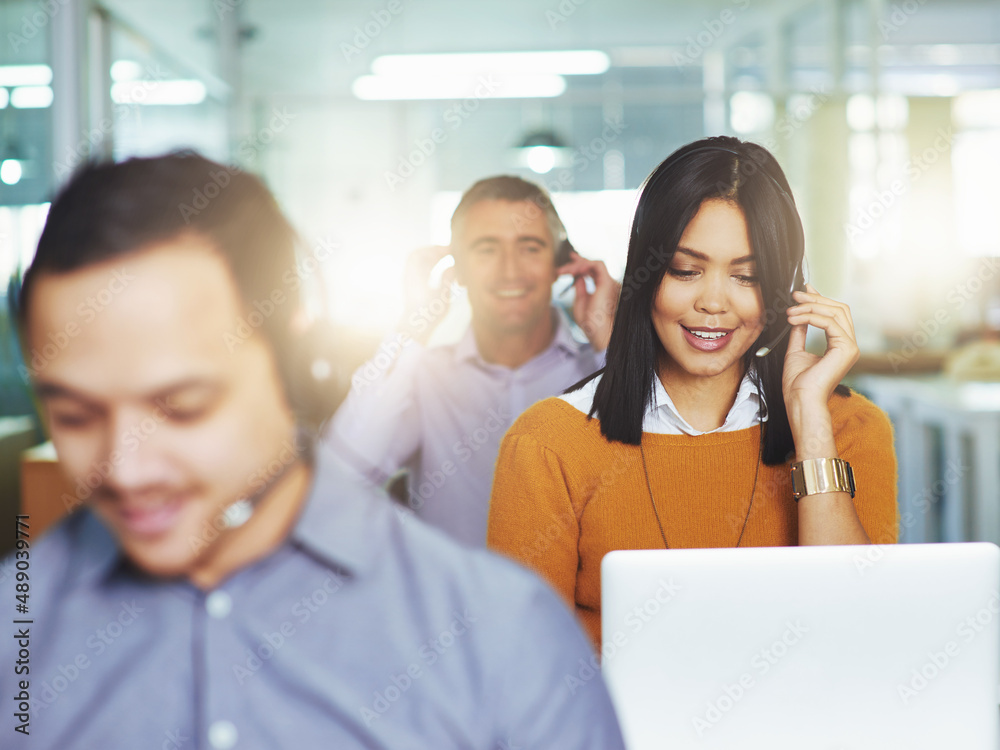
(809, 380)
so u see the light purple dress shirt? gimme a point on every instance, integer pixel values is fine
(441, 412)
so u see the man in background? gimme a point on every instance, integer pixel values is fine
(229, 584)
(441, 412)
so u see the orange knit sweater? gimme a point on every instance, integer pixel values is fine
(564, 496)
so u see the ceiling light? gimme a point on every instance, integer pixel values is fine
(178, 92)
(751, 112)
(25, 75)
(126, 70)
(10, 171)
(541, 151)
(568, 62)
(31, 97)
(422, 86)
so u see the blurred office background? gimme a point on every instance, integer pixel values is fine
(368, 119)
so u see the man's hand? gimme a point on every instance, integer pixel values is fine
(594, 313)
(425, 306)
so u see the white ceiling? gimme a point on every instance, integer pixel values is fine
(296, 47)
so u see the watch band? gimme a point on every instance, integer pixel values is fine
(814, 476)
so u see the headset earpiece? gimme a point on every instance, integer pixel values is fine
(563, 253)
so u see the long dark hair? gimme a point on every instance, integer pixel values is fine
(711, 168)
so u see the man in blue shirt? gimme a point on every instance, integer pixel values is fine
(441, 411)
(229, 584)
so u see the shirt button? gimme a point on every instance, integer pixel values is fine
(218, 604)
(222, 735)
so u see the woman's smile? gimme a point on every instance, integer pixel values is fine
(708, 310)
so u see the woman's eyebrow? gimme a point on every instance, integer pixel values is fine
(692, 253)
(702, 256)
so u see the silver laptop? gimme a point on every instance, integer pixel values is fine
(827, 648)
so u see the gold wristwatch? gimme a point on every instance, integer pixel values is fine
(817, 475)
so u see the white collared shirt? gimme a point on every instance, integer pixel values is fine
(663, 418)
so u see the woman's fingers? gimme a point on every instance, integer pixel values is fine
(838, 338)
(832, 307)
(797, 338)
(822, 308)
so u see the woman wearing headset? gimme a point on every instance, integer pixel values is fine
(711, 425)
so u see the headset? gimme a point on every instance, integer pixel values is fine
(562, 252)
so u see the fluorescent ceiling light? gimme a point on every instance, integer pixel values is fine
(10, 171)
(4, 98)
(569, 63)
(751, 112)
(126, 70)
(421, 86)
(25, 75)
(179, 92)
(31, 97)
(541, 159)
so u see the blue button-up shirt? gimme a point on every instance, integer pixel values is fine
(365, 628)
(443, 411)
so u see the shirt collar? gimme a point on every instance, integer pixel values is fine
(100, 554)
(343, 522)
(747, 398)
(466, 349)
